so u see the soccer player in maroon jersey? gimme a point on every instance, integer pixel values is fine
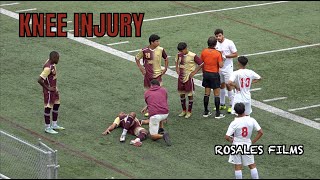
(131, 125)
(48, 81)
(152, 56)
(186, 63)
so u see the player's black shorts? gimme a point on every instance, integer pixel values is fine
(211, 80)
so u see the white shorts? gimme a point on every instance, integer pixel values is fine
(248, 109)
(155, 121)
(225, 75)
(245, 160)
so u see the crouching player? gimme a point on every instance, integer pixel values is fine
(131, 125)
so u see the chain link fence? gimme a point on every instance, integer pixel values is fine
(20, 159)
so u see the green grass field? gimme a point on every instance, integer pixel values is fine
(95, 85)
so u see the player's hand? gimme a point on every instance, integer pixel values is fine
(52, 89)
(106, 132)
(191, 75)
(178, 71)
(164, 71)
(143, 71)
(144, 110)
(224, 57)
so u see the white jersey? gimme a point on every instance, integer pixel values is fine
(227, 47)
(241, 128)
(243, 79)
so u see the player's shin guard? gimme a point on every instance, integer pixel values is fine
(238, 174)
(206, 102)
(217, 104)
(190, 105)
(183, 103)
(47, 116)
(231, 96)
(142, 136)
(254, 173)
(222, 96)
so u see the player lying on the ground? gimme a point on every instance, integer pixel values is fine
(130, 124)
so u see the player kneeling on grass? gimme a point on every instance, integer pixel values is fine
(241, 128)
(131, 125)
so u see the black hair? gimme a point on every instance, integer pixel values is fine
(53, 54)
(212, 41)
(155, 82)
(153, 38)
(239, 108)
(218, 31)
(243, 60)
(182, 46)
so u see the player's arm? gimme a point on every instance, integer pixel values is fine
(43, 76)
(138, 57)
(220, 60)
(229, 138)
(110, 128)
(166, 61)
(196, 70)
(258, 136)
(232, 55)
(230, 132)
(256, 77)
(177, 67)
(233, 50)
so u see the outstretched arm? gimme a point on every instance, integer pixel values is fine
(110, 128)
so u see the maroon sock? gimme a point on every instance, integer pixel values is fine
(142, 136)
(183, 103)
(55, 112)
(190, 105)
(47, 115)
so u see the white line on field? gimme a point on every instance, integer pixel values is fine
(123, 42)
(209, 11)
(134, 50)
(172, 66)
(24, 10)
(69, 21)
(307, 107)
(274, 99)
(9, 4)
(279, 50)
(256, 89)
(71, 30)
(200, 74)
(317, 119)
(172, 73)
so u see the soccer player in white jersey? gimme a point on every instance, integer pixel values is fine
(241, 129)
(229, 51)
(242, 80)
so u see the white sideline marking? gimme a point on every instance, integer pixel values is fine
(71, 30)
(255, 89)
(274, 99)
(24, 10)
(209, 11)
(69, 21)
(313, 106)
(172, 66)
(9, 4)
(279, 50)
(200, 74)
(317, 119)
(123, 42)
(172, 73)
(134, 50)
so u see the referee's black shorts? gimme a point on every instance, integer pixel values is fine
(211, 80)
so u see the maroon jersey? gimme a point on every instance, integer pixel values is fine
(49, 75)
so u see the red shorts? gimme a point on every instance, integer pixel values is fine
(50, 98)
(147, 81)
(187, 87)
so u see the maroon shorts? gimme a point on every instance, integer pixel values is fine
(50, 98)
(187, 87)
(147, 81)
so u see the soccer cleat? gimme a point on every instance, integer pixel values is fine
(188, 115)
(206, 114)
(58, 127)
(146, 114)
(50, 131)
(229, 110)
(122, 138)
(220, 116)
(222, 107)
(183, 113)
(136, 143)
(167, 138)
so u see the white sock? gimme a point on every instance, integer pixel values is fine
(231, 95)
(254, 173)
(54, 123)
(222, 96)
(124, 132)
(238, 174)
(47, 125)
(137, 140)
